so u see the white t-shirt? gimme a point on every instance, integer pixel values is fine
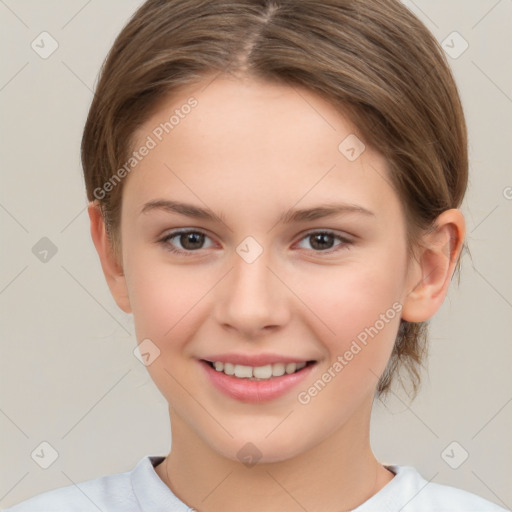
(141, 490)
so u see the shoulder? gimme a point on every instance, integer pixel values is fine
(410, 492)
(110, 493)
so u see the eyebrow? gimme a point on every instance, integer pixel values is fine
(289, 217)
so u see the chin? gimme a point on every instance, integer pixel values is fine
(258, 449)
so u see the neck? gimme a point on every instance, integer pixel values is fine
(338, 474)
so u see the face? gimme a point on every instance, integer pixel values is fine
(259, 281)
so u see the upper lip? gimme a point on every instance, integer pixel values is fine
(254, 359)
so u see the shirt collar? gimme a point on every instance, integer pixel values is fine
(151, 493)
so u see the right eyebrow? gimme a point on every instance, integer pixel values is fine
(182, 208)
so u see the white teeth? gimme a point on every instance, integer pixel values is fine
(242, 371)
(278, 369)
(262, 372)
(229, 369)
(258, 372)
(291, 367)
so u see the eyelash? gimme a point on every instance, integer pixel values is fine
(344, 245)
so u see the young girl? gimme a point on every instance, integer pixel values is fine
(274, 189)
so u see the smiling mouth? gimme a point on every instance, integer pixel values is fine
(266, 372)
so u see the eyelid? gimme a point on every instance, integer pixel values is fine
(164, 240)
(340, 234)
(345, 239)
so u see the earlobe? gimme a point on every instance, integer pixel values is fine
(112, 268)
(430, 274)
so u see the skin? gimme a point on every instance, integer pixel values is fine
(250, 151)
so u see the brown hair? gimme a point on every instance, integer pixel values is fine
(372, 59)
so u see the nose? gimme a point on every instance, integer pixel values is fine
(252, 299)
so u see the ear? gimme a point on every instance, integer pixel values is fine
(431, 271)
(112, 269)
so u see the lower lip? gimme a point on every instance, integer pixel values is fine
(255, 391)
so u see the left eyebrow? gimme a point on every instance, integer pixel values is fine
(289, 217)
(320, 212)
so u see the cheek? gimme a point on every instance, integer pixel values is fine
(167, 308)
(351, 297)
(165, 299)
(358, 313)
(362, 307)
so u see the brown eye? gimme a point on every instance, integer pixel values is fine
(324, 241)
(184, 242)
(192, 240)
(321, 241)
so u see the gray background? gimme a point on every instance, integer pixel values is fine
(68, 373)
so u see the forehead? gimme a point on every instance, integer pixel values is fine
(250, 141)
(283, 120)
